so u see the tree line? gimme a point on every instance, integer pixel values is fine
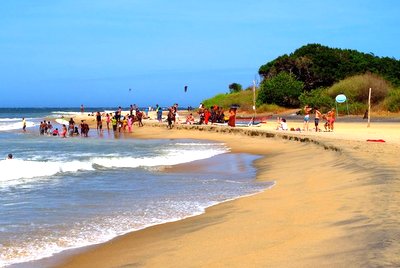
(315, 67)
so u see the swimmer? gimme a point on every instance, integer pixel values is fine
(9, 156)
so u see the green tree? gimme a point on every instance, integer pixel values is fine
(235, 87)
(317, 98)
(320, 66)
(283, 89)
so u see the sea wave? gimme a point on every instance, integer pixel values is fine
(65, 112)
(16, 169)
(13, 124)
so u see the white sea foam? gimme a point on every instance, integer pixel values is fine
(16, 169)
(99, 231)
(65, 113)
(13, 123)
(173, 157)
(105, 229)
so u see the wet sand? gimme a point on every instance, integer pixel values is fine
(336, 203)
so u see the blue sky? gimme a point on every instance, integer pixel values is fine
(71, 52)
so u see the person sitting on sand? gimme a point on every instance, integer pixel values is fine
(282, 125)
(190, 119)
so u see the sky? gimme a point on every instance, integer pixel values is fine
(104, 53)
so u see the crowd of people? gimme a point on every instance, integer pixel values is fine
(119, 122)
(70, 129)
(329, 118)
(212, 115)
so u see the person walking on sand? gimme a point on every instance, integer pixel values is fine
(307, 111)
(317, 118)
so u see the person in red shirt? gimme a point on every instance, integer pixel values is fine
(207, 115)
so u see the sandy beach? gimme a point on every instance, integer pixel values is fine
(336, 203)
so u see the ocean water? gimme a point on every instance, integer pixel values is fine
(58, 194)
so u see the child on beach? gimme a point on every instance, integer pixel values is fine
(307, 111)
(282, 125)
(332, 118)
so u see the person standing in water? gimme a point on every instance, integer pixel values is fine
(24, 124)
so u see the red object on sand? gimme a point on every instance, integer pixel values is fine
(380, 140)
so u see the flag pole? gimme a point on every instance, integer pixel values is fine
(254, 100)
(369, 106)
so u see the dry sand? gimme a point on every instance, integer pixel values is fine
(336, 203)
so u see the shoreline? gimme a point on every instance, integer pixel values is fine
(284, 240)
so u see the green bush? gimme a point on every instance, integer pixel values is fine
(392, 102)
(243, 98)
(354, 108)
(317, 98)
(270, 108)
(283, 90)
(356, 88)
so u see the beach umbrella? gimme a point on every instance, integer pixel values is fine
(341, 98)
